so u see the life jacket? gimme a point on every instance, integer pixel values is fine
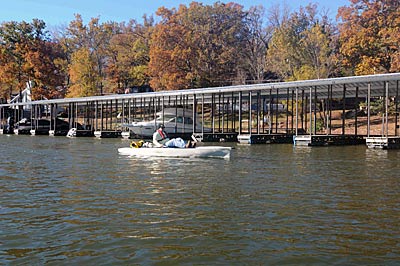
(137, 144)
(162, 134)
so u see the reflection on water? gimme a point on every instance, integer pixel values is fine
(76, 201)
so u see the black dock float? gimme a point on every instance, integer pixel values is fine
(84, 133)
(36, 132)
(220, 137)
(328, 140)
(22, 131)
(4, 131)
(58, 132)
(266, 139)
(107, 134)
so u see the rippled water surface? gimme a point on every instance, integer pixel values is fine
(77, 202)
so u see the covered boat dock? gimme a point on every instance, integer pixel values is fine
(336, 111)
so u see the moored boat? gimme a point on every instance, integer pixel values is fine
(198, 152)
(40, 126)
(177, 121)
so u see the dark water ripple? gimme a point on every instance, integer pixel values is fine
(77, 202)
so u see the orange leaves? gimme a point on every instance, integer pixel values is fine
(196, 46)
(28, 55)
(200, 45)
(395, 63)
(369, 36)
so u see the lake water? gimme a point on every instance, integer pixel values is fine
(77, 202)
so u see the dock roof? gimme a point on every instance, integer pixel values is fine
(376, 83)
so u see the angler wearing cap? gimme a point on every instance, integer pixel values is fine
(160, 136)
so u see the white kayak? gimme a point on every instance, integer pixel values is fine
(202, 151)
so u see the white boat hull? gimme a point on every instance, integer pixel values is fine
(198, 152)
(176, 121)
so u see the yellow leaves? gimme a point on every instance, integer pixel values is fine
(129, 56)
(139, 75)
(84, 77)
(395, 65)
(369, 36)
(369, 65)
(202, 45)
(304, 72)
(302, 48)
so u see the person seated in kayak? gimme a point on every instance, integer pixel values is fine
(160, 136)
(160, 139)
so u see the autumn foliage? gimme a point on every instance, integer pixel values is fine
(369, 36)
(199, 46)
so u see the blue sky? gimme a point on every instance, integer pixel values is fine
(61, 12)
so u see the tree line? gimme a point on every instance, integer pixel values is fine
(199, 46)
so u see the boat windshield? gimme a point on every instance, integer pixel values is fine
(173, 119)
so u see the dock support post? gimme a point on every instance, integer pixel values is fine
(240, 112)
(249, 124)
(311, 129)
(297, 112)
(396, 110)
(287, 111)
(386, 108)
(315, 110)
(368, 109)
(355, 113)
(344, 111)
